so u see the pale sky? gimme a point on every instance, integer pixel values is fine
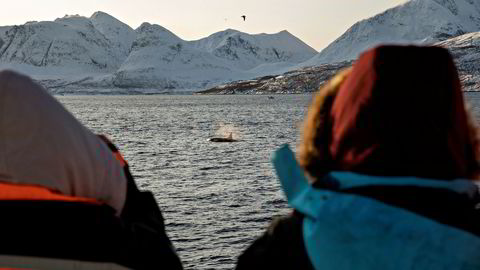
(316, 22)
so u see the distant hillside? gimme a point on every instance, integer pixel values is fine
(304, 80)
(466, 51)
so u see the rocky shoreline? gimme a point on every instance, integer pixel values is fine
(304, 80)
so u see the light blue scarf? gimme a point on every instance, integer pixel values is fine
(347, 231)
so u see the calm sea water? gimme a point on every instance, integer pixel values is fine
(216, 197)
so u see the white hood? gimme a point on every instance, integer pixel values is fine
(41, 143)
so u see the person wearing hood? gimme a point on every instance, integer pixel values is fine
(67, 198)
(385, 173)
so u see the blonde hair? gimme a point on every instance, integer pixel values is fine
(474, 134)
(313, 155)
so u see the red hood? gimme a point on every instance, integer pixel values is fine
(401, 112)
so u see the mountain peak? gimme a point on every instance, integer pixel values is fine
(416, 21)
(69, 16)
(144, 25)
(75, 21)
(148, 35)
(246, 51)
(97, 14)
(152, 28)
(120, 35)
(102, 18)
(230, 30)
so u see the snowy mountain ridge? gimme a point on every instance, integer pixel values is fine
(416, 21)
(248, 51)
(465, 50)
(68, 45)
(160, 58)
(119, 34)
(102, 52)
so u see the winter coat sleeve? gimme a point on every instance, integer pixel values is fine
(150, 247)
(148, 244)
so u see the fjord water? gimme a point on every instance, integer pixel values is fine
(216, 197)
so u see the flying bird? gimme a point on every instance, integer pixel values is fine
(244, 17)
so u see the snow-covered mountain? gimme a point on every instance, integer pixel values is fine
(160, 59)
(69, 45)
(3, 30)
(465, 50)
(120, 35)
(417, 21)
(247, 51)
(101, 52)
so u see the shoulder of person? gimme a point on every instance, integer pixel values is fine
(281, 246)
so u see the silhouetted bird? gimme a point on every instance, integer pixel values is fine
(244, 17)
